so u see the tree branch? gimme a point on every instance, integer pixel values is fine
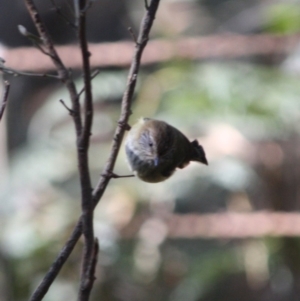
(66, 107)
(86, 283)
(93, 75)
(62, 71)
(90, 273)
(23, 73)
(82, 134)
(4, 98)
(142, 41)
(118, 136)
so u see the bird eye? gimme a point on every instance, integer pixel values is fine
(150, 144)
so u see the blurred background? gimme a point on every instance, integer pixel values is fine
(225, 72)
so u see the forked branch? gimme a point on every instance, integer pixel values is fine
(62, 71)
(117, 140)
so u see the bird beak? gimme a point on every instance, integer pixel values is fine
(156, 161)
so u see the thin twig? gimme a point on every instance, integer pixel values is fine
(66, 107)
(4, 98)
(119, 134)
(34, 39)
(94, 74)
(83, 143)
(132, 35)
(112, 175)
(22, 73)
(41, 49)
(63, 72)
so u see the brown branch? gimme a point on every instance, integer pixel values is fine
(4, 98)
(52, 273)
(224, 225)
(191, 48)
(63, 72)
(82, 134)
(66, 107)
(35, 40)
(94, 74)
(127, 98)
(119, 133)
(134, 39)
(22, 73)
(84, 140)
(90, 273)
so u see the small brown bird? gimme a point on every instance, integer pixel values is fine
(155, 149)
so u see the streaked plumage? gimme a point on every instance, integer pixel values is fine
(155, 149)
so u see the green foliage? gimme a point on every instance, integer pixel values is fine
(283, 18)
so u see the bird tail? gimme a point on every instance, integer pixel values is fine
(198, 153)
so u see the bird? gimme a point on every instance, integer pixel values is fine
(155, 149)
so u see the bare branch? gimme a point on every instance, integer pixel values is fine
(90, 273)
(127, 97)
(82, 132)
(22, 73)
(83, 143)
(88, 102)
(119, 133)
(112, 175)
(32, 37)
(63, 72)
(66, 107)
(132, 35)
(4, 98)
(94, 74)
(52, 273)
(35, 40)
